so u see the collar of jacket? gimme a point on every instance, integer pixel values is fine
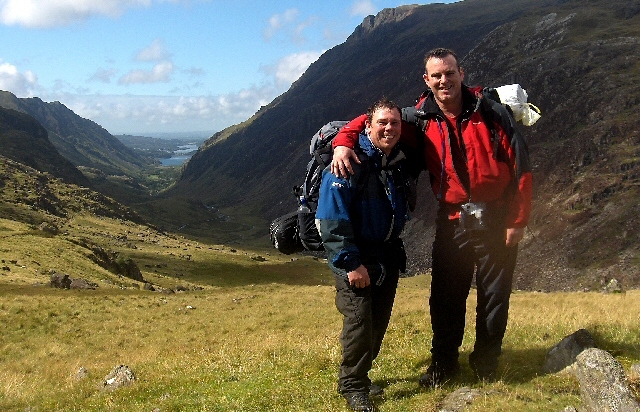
(377, 155)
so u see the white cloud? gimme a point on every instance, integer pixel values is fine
(153, 53)
(363, 8)
(103, 75)
(291, 67)
(278, 21)
(139, 114)
(53, 13)
(161, 72)
(56, 13)
(21, 84)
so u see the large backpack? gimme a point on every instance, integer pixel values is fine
(290, 235)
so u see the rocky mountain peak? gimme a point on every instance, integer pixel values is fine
(386, 16)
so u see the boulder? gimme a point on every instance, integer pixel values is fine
(613, 287)
(120, 376)
(565, 352)
(603, 384)
(81, 373)
(82, 284)
(63, 281)
(458, 400)
(49, 228)
(60, 281)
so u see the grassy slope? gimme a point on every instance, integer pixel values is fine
(251, 330)
(247, 335)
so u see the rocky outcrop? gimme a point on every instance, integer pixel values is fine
(63, 281)
(458, 400)
(564, 353)
(386, 16)
(120, 376)
(603, 384)
(116, 262)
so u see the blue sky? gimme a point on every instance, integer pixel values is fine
(153, 66)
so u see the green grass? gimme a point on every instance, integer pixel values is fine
(249, 335)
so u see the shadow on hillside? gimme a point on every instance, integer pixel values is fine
(295, 273)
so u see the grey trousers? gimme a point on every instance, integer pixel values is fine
(366, 313)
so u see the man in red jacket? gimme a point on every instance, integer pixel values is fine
(479, 170)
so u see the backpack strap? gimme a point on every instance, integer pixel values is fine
(418, 118)
(492, 112)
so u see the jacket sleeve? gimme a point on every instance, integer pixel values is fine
(334, 222)
(348, 135)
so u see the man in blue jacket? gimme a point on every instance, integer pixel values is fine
(360, 219)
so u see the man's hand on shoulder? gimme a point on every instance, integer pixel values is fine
(514, 235)
(341, 163)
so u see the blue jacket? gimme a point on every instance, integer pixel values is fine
(361, 217)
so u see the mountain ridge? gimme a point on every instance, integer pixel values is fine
(25, 140)
(559, 50)
(82, 141)
(579, 62)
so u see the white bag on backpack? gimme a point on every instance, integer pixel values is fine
(516, 97)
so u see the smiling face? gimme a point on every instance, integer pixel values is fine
(444, 77)
(384, 128)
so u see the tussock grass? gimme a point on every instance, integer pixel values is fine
(248, 335)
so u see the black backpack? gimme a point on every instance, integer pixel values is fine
(284, 234)
(290, 235)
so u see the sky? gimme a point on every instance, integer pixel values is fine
(169, 66)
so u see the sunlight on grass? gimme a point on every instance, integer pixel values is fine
(253, 331)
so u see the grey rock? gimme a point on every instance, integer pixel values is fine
(81, 373)
(63, 281)
(48, 228)
(120, 376)
(613, 287)
(60, 281)
(603, 385)
(82, 284)
(564, 353)
(458, 400)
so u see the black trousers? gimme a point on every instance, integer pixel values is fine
(366, 313)
(456, 254)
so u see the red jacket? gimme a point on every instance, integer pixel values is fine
(495, 171)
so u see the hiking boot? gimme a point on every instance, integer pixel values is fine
(483, 371)
(375, 390)
(439, 373)
(359, 401)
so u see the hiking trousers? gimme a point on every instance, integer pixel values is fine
(366, 313)
(456, 255)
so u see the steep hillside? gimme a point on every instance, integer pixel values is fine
(254, 165)
(24, 140)
(82, 141)
(578, 61)
(34, 197)
(582, 67)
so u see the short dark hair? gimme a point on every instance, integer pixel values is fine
(440, 53)
(383, 103)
